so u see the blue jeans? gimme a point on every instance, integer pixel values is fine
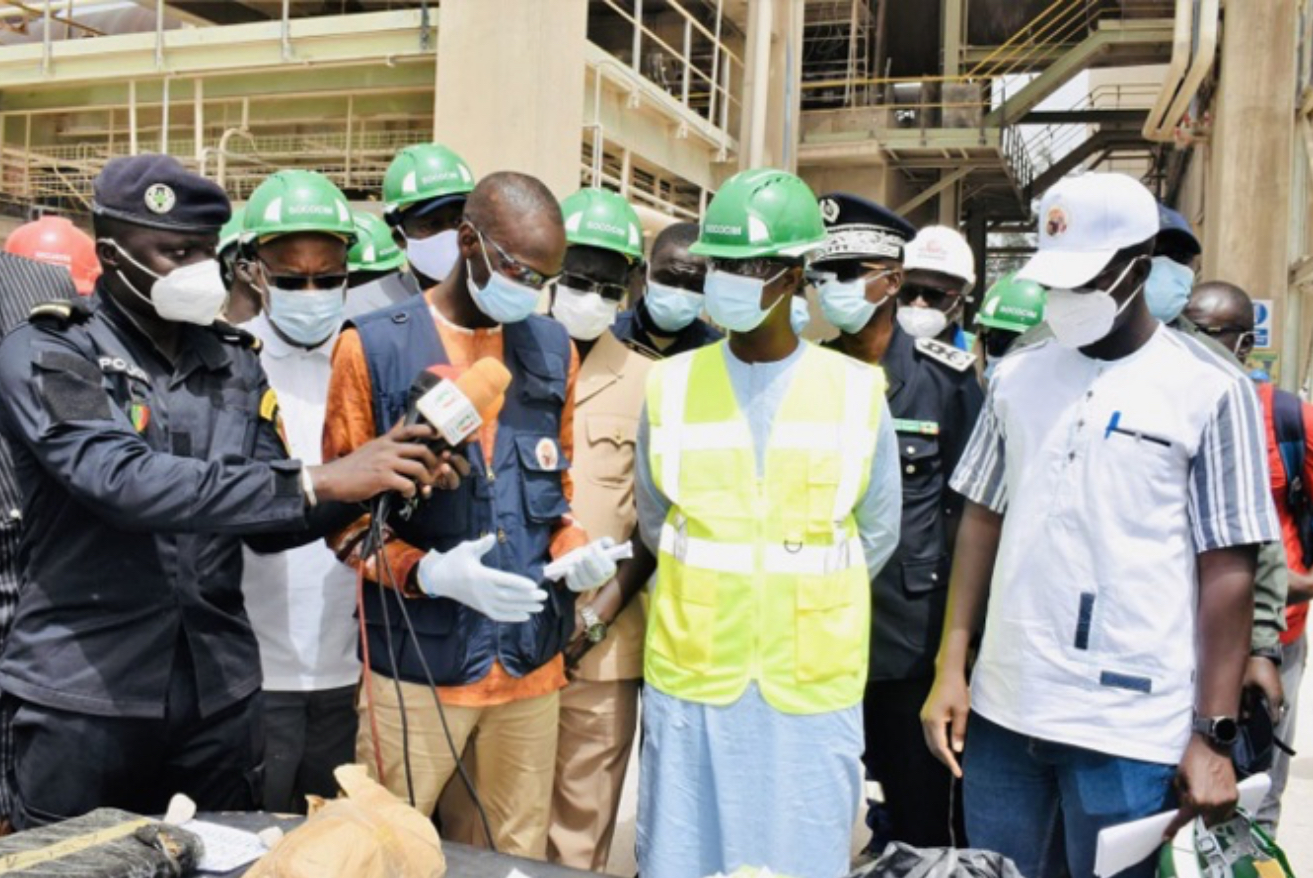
(1042, 804)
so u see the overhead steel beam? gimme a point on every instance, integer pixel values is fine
(330, 41)
(925, 195)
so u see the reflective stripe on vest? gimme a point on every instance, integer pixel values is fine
(761, 577)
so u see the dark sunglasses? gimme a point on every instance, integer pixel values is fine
(935, 298)
(303, 281)
(761, 268)
(512, 267)
(577, 282)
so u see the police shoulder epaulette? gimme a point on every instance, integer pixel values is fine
(953, 358)
(61, 312)
(236, 335)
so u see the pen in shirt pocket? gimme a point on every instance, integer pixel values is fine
(1114, 426)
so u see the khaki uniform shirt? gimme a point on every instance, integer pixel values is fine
(608, 403)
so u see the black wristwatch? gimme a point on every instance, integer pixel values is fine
(1222, 731)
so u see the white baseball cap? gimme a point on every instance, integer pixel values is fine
(1083, 222)
(939, 248)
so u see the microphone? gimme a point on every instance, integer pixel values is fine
(455, 408)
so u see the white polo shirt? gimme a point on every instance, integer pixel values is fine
(1112, 476)
(301, 601)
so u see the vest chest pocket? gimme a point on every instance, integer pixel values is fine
(541, 465)
(611, 442)
(542, 381)
(830, 627)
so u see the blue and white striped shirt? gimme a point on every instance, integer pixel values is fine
(1112, 477)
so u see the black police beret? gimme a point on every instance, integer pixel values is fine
(157, 191)
(857, 228)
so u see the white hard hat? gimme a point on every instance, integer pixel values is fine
(939, 248)
(1083, 222)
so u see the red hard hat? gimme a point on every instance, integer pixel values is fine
(56, 241)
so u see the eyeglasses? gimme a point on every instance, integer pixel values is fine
(1242, 335)
(761, 268)
(512, 267)
(606, 289)
(935, 298)
(851, 271)
(331, 281)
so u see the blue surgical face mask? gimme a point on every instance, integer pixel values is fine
(844, 303)
(307, 317)
(734, 301)
(799, 315)
(1168, 288)
(501, 298)
(671, 308)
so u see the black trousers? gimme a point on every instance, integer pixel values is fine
(68, 763)
(919, 791)
(307, 735)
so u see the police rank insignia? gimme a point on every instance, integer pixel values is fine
(953, 358)
(269, 411)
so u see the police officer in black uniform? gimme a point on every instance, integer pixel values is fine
(148, 445)
(934, 399)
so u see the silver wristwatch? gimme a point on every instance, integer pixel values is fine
(594, 627)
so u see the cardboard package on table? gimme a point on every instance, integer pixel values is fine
(368, 833)
(107, 843)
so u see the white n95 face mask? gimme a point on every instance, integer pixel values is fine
(1082, 317)
(922, 322)
(584, 315)
(189, 294)
(435, 256)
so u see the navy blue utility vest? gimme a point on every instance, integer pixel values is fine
(521, 500)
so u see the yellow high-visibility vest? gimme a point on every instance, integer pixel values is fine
(761, 578)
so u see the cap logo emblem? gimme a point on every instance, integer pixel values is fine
(1056, 222)
(160, 198)
(829, 209)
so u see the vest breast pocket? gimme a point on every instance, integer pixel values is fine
(541, 465)
(542, 378)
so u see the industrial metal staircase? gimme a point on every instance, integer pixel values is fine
(980, 127)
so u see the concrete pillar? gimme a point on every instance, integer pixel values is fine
(769, 127)
(950, 202)
(512, 98)
(1246, 237)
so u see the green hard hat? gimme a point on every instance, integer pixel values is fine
(374, 249)
(231, 233)
(1238, 848)
(1011, 304)
(423, 172)
(601, 218)
(288, 202)
(761, 212)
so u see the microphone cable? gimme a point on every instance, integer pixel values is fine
(383, 568)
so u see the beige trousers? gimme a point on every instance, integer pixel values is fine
(513, 774)
(598, 722)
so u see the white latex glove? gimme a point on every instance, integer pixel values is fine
(588, 567)
(460, 575)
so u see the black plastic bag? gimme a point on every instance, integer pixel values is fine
(904, 861)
